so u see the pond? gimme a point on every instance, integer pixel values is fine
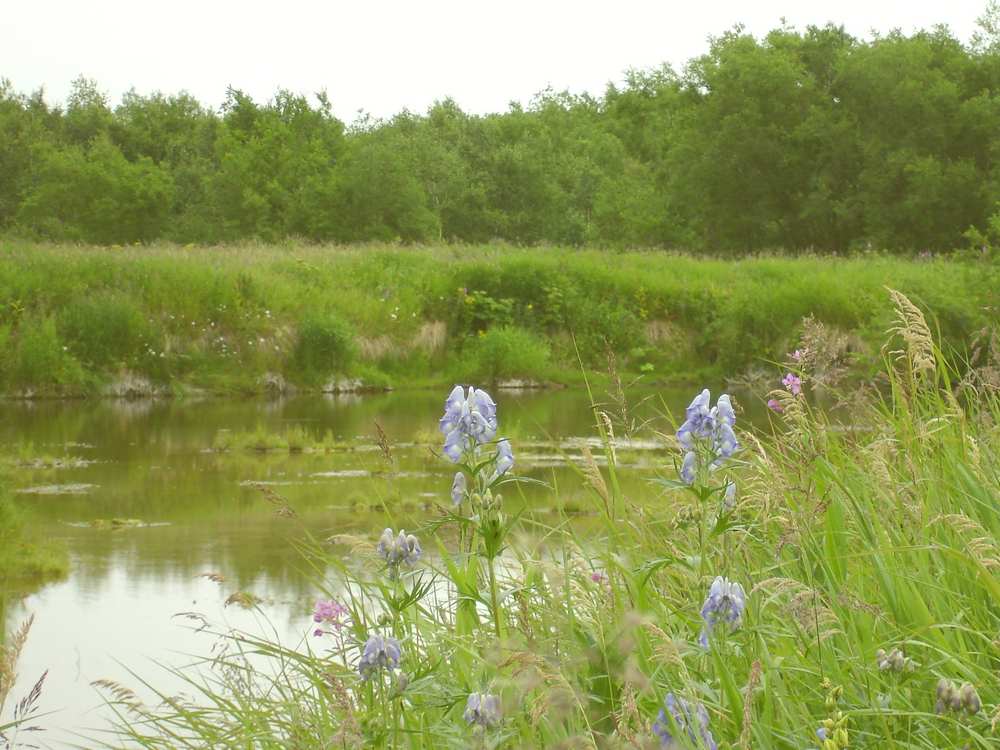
(160, 506)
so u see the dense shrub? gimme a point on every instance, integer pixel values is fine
(506, 352)
(325, 345)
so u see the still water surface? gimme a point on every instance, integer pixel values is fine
(154, 461)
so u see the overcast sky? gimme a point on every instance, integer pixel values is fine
(384, 55)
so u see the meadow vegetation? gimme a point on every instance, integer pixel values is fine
(800, 586)
(251, 318)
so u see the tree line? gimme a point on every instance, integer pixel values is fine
(798, 140)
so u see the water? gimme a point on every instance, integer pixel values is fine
(153, 462)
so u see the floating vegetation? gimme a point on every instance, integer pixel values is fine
(58, 489)
(114, 524)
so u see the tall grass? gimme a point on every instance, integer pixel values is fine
(848, 541)
(74, 319)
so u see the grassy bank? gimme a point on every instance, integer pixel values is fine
(869, 569)
(84, 320)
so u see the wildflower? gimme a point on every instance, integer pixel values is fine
(379, 653)
(894, 661)
(797, 355)
(698, 421)
(330, 612)
(774, 405)
(482, 709)
(680, 716)
(708, 427)
(689, 467)
(821, 734)
(404, 548)
(952, 698)
(793, 383)
(729, 496)
(470, 419)
(458, 488)
(504, 458)
(597, 577)
(726, 602)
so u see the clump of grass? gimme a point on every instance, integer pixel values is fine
(293, 439)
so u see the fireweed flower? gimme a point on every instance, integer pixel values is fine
(403, 548)
(328, 612)
(470, 419)
(379, 653)
(793, 383)
(774, 405)
(458, 488)
(482, 709)
(725, 603)
(690, 719)
(504, 458)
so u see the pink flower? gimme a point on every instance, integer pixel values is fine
(597, 577)
(775, 406)
(797, 355)
(792, 383)
(330, 612)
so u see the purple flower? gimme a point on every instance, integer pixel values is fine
(329, 612)
(709, 427)
(698, 420)
(680, 717)
(774, 405)
(482, 709)
(793, 383)
(689, 468)
(729, 497)
(404, 548)
(504, 458)
(797, 355)
(379, 653)
(470, 419)
(458, 488)
(725, 603)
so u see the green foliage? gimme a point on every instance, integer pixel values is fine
(223, 318)
(799, 139)
(104, 331)
(40, 358)
(503, 353)
(324, 346)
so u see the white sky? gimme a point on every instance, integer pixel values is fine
(384, 55)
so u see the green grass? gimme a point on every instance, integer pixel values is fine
(847, 541)
(75, 319)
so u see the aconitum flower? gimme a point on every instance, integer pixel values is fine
(379, 653)
(698, 422)
(793, 383)
(402, 548)
(328, 612)
(774, 405)
(725, 603)
(688, 718)
(458, 488)
(710, 428)
(689, 468)
(470, 419)
(482, 709)
(729, 496)
(504, 458)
